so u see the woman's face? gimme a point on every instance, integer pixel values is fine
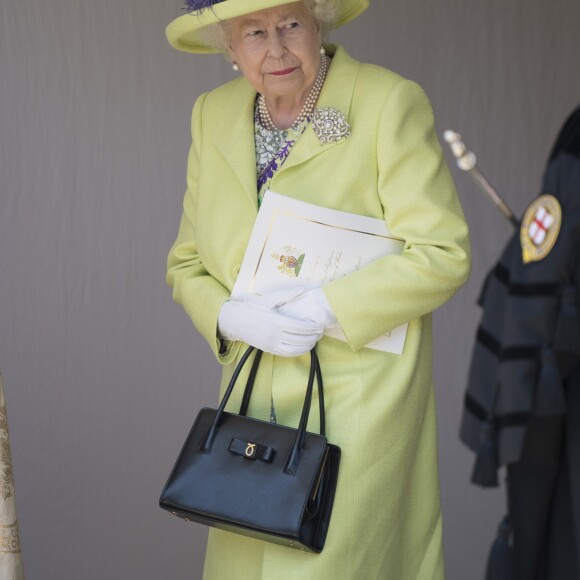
(277, 49)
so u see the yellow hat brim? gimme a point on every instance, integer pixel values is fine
(183, 32)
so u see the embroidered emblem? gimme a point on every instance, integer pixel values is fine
(540, 228)
(330, 125)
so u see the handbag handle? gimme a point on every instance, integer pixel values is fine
(297, 449)
(250, 385)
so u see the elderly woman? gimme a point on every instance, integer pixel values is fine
(254, 133)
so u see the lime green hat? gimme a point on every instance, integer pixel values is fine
(183, 32)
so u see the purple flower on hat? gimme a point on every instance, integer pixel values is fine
(199, 5)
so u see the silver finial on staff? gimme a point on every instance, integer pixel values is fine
(467, 161)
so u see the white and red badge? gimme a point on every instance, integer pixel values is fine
(540, 228)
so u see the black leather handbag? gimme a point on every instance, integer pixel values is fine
(255, 478)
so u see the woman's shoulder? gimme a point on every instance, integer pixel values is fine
(378, 82)
(380, 89)
(374, 81)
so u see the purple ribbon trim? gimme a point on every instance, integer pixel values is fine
(199, 5)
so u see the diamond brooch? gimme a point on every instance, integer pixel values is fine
(330, 125)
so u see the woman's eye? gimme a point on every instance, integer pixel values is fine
(254, 33)
(291, 25)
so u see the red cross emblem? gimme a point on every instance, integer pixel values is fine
(540, 225)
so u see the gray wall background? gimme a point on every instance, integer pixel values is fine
(103, 373)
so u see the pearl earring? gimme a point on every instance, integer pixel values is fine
(322, 51)
(235, 66)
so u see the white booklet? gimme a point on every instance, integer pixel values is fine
(299, 244)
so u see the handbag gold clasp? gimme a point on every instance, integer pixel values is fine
(250, 450)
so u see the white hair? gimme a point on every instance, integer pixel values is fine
(325, 13)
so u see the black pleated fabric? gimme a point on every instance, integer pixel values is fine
(522, 405)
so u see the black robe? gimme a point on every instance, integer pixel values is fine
(522, 406)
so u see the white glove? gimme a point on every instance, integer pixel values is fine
(275, 299)
(258, 324)
(312, 305)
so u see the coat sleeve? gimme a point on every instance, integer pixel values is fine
(421, 207)
(200, 294)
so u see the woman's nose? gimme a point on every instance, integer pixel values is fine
(276, 46)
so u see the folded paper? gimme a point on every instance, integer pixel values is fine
(299, 244)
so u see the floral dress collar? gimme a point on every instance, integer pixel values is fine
(272, 150)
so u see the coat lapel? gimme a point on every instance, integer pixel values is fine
(336, 93)
(235, 137)
(235, 134)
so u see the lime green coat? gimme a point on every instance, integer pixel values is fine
(386, 522)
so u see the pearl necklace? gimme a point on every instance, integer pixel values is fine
(307, 108)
